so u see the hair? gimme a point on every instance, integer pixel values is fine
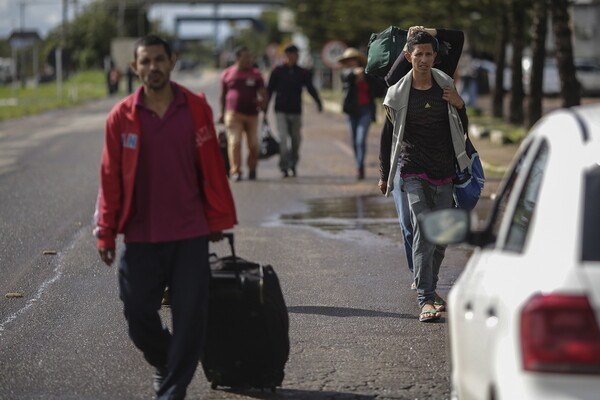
(421, 37)
(239, 50)
(151, 40)
(291, 48)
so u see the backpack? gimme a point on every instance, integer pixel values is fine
(385, 46)
(469, 183)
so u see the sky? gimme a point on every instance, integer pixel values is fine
(44, 15)
(40, 15)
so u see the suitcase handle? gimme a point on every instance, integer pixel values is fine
(229, 237)
(236, 269)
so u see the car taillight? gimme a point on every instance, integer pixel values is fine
(559, 333)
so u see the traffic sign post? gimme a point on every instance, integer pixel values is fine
(330, 53)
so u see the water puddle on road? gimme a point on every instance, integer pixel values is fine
(373, 213)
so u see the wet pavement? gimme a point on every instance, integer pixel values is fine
(371, 213)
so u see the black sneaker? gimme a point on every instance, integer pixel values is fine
(284, 173)
(252, 175)
(160, 374)
(293, 171)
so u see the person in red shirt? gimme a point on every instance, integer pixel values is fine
(243, 96)
(163, 187)
(360, 91)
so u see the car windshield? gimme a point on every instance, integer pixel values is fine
(591, 216)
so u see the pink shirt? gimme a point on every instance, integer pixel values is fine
(241, 89)
(167, 202)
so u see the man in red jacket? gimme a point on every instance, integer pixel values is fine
(163, 187)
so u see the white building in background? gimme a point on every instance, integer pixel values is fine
(585, 24)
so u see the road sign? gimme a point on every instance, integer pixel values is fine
(331, 51)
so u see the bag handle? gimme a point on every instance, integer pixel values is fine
(236, 268)
(229, 237)
(266, 129)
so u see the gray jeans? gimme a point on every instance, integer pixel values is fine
(424, 196)
(288, 126)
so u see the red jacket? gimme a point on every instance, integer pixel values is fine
(119, 164)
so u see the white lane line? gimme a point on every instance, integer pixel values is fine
(344, 147)
(56, 275)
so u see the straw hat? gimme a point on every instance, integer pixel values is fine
(351, 53)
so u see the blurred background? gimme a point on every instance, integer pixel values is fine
(518, 54)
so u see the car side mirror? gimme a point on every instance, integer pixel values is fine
(447, 226)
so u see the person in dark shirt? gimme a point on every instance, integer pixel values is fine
(454, 41)
(288, 80)
(429, 121)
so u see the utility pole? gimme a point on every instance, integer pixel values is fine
(22, 16)
(59, 50)
(216, 33)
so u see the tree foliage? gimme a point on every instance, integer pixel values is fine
(491, 26)
(569, 88)
(89, 35)
(538, 51)
(256, 40)
(517, 39)
(353, 21)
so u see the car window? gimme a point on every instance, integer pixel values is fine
(517, 233)
(504, 196)
(591, 216)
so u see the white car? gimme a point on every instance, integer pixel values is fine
(586, 71)
(524, 314)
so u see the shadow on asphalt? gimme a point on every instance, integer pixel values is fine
(345, 312)
(301, 395)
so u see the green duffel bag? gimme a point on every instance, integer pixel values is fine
(383, 49)
(385, 46)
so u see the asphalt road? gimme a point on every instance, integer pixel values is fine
(353, 321)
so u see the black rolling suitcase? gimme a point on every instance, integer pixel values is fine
(247, 342)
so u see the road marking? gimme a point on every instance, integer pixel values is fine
(56, 275)
(344, 147)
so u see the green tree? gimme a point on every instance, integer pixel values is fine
(353, 21)
(501, 11)
(538, 50)
(517, 38)
(569, 86)
(5, 50)
(89, 35)
(257, 37)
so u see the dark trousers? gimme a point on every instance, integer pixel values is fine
(144, 271)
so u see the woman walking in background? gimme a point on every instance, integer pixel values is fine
(360, 91)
